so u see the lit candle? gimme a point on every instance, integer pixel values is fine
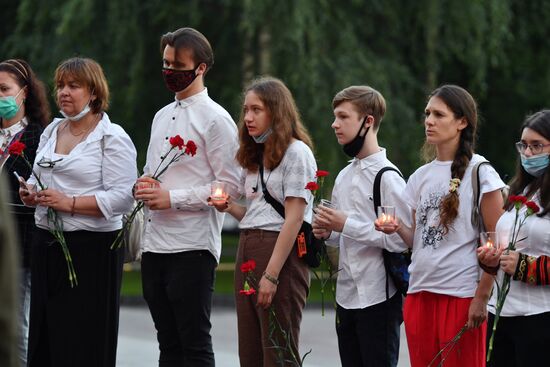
(217, 192)
(490, 244)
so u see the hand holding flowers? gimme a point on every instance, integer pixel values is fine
(52, 199)
(502, 291)
(152, 196)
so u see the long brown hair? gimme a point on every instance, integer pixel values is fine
(285, 123)
(37, 108)
(463, 105)
(540, 123)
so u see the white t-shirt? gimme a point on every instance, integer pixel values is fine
(288, 179)
(524, 299)
(445, 263)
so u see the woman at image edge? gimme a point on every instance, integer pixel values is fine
(522, 335)
(444, 294)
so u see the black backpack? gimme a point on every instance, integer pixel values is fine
(396, 264)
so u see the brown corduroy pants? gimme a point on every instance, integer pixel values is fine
(257, 346)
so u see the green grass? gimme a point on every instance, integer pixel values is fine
(131, 280)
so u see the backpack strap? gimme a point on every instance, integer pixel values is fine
(279, 208)
(377, 201)
(376, 198)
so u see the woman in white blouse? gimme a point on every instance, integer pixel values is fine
(272, 134)
(88, 165)
(522, 336)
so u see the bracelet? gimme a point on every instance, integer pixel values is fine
(271, 278)
(72, 208)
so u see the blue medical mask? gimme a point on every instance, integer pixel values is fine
(536, 164)
(79, 115)
(263, 136)
(9, 106)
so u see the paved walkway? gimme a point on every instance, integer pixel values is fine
(138, 347)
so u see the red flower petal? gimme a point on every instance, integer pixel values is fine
(247, 266)
(247, 292)
(191, 148)
(321, 173)
(533, 206)
(313, 186)
(177, 141)
(518, 199)
(16, 148)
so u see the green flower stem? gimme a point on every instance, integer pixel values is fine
(448, 348)
(57, 231)
(119, 240)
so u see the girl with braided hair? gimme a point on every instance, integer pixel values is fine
(445, 291)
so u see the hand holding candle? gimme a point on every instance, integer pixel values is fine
(387, 221)
(217, 192)
(489, 251)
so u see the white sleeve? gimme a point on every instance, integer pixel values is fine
(119, 173)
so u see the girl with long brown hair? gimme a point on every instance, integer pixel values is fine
(445, 292)
(272, 136)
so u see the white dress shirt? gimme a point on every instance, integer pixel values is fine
(446, 263)
(190, 224)
(103, 165)
(524, 299)
(362, 276)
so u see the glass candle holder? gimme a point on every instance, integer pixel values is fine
(386, 214)
(489, 239)
(217, 191)
(326, 203)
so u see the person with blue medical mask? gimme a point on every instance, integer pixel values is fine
(522, 337)
(24, 112)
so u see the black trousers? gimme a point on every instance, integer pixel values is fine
(74, 326)
(178, 289)
(520, 341)
(369, 337)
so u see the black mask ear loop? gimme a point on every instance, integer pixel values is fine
(362, 126)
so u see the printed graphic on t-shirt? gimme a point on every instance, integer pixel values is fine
(428, 219)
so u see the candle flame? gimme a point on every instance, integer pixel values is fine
(490, 244)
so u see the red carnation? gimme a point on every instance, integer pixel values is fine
(321, 173)
(531, 205)
(518, 199)
(247, 266)
(247, 292)
(16, 148)
(313, 186)
(177, 141)
(191, 148)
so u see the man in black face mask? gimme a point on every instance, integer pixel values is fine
(182, 241)
(368, 306)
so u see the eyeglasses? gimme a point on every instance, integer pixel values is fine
(46, 163)
(534, 148)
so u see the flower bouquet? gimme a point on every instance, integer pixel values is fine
(17, 148)
(502, 291)
(285, 354)
(176, 142)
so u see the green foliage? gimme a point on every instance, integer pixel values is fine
(497, 49)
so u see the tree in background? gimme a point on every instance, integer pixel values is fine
(497, 49)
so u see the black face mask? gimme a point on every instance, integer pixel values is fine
(354, 147)
(178, 80)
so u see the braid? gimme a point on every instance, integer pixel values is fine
(448, 209)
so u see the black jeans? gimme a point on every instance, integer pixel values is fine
(520, 341)
(178, 289)
(369, 337)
